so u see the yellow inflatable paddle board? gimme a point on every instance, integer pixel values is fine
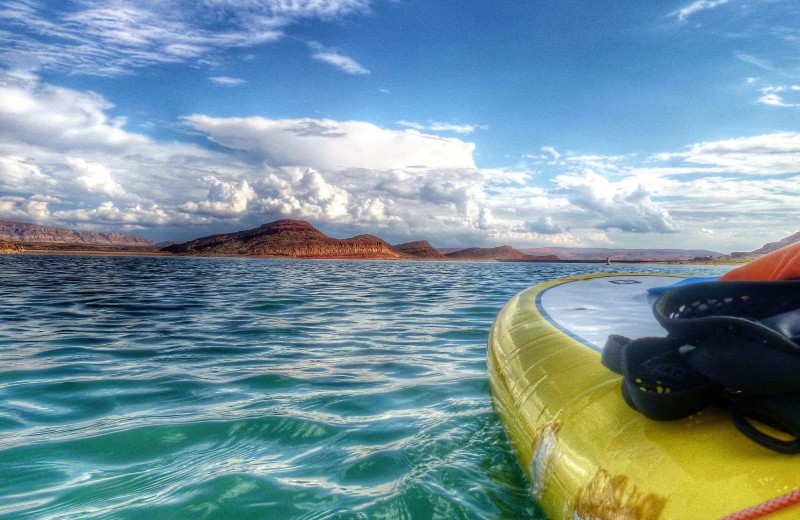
(587, 454)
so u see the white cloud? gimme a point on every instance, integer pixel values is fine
(410, 124)
(96, 178)
(772, 99)
(226, 81)
(486, 220)
(774, 95)
(18, 208)
(447, 127)
(436, 126)
(67, 162)
(552, 152)
(107, 214)
(17, 174)
(60, 118)
(626, 206)
(224, 199)
(684, 13)
(304, 194)
(542, 225)
(97, 174)
(344, 63)
(325, 144)
(338, 60)
(767, 154)
(325, 9)
(104, 217)
(114, 39)
(373, 211)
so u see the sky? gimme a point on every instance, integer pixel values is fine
(670, 124)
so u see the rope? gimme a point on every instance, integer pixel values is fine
(765, 508)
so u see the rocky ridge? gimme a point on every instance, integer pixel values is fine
(771, 246)
(290, 238)
(14, 231)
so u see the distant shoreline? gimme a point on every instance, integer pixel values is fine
(84, 250)
(299, 239)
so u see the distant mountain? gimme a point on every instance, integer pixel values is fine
(622, 255)
(26, 233)
(771, 246)
(299, 239)
(502, 253)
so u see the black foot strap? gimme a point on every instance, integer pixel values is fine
(732, 342)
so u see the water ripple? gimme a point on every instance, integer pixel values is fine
(244, 388)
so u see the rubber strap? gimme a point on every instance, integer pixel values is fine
(656, 381)
(783, 414)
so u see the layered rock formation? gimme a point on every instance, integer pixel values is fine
(418, 249)
(14, 231)
(10, 247)
(292, 238)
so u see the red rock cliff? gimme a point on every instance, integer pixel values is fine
(293, 238)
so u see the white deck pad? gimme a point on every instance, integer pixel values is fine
(591, 309)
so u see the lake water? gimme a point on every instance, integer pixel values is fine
(169, 388)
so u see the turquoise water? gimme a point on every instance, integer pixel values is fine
(141, 387)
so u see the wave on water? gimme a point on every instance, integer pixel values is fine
(141, 387)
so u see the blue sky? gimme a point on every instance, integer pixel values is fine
(618, 124)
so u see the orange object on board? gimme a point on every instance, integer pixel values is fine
(783, 264)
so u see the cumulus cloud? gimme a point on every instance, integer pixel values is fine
(107, 214)
(61, 143)
(97, 173)
(373, 211)
(224, 199)
(304, 194)
(326, 144)
(17, 174)
(621, 206)
(96, 178)
(60, 118)
(542, 225)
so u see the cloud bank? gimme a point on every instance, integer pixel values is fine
(64, 161)
(332, 145)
